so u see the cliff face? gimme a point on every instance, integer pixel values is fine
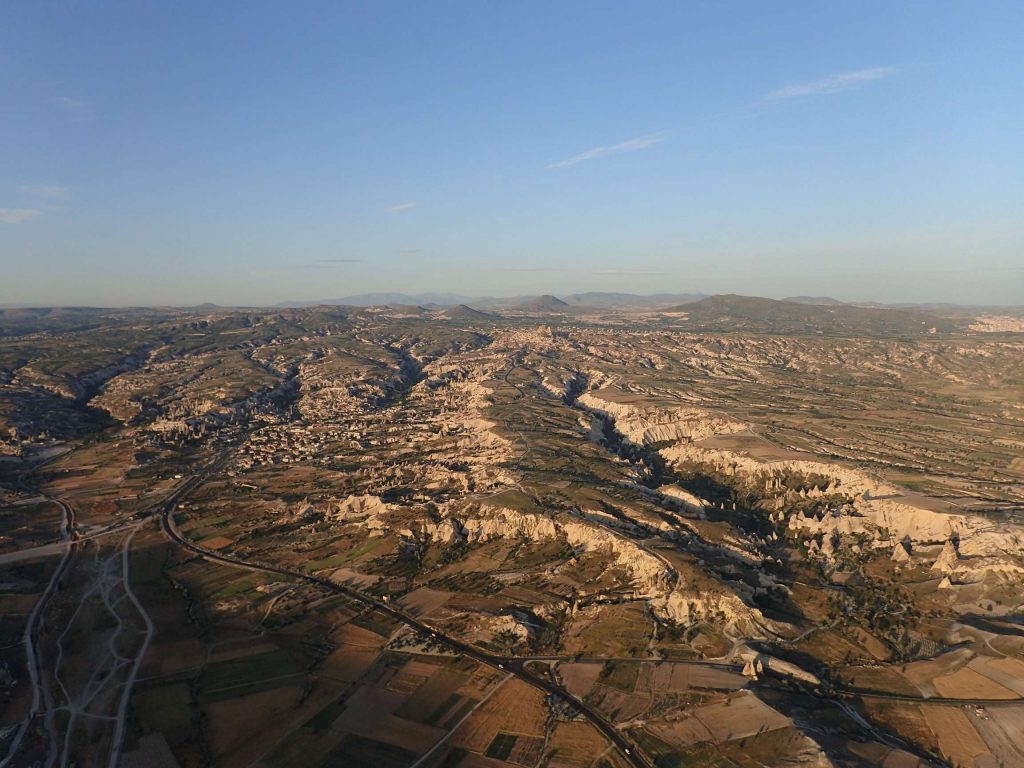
(668, 594)
(689, 607)
(688, 501)
(82, 384)
(649, 574)
(870, 507)
(357, 507)
(842, 479)
(644, 425)
(882, 512)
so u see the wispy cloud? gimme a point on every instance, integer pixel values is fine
(533, 269)
(631, 272)
(596, 153)
(46, 191)
(330, 263)
(17, 215)
(614, 272)
(76, 109)
(400, 208)
(844, 81)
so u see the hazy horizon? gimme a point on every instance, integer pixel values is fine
(175, 155)
(456, 297)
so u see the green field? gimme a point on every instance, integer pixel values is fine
(230, 679)
(501, 746)
(360, 751)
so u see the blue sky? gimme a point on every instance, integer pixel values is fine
(255, 152)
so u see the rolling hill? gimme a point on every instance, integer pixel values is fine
(759, 315)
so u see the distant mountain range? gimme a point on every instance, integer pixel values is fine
(821, 301)
(462, 312)
(387, 299)
(545, 303)
(597, 300)
(796, 314)
(626, 300)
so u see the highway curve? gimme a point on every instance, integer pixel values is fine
(506, 664)
(41, 704)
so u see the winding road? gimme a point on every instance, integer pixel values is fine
(511, 665)
(45, 678)
(41, 704)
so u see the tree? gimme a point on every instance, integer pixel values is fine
(506, 641)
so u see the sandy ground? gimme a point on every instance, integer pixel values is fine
(423, 601)
(923, 673)
(579, 678)
(347, 663)
(884, 756)
(576, 744)
(515, 708)
(365, 708)
(247, 726)
(740, 716)
(619, 707)
(358, 637)
(354, 578)
(959, 742)
(407, 734)
(1002, 728)
(1007, 672)
(966, 683)
(681, 677)
(218, 542)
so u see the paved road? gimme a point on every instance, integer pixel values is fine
(117, 742)
(728, 665)
(43, 709)
(41, 703)
(507, 664)
(861, 693)
(58, 547)
(513, 665)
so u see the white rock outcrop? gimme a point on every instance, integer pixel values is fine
(881, 511)
(353, 507)
(900, 553)
(648, 424)
(948, 560)
(691, 502)
(693, 606)
(648, 573)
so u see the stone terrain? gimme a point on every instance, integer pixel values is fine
(837, 517)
